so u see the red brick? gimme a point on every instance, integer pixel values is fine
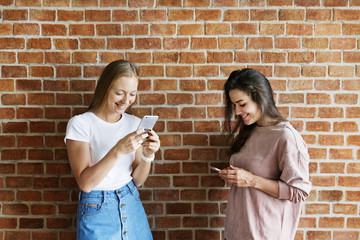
(163, 29)
(8, 223)
(176, 43)
(135, 29)
(81, 29)
(236, 15)
(332, 167)
(341, 154)
(178, 208)
(193, 195)
(323, 181)
(39, 43)
(225, 3)
(125, 15)
(97, 15)
(157, 181)
(53, 30)
(195, 140)
(287, 71)
(315, 43)
(148, 43)
(26, 29)
(197, 3)
(181, 15)
(108, 29)
(81, 3)
(153, 15)
(207, 234)
(312, 235)
(217, 29)
(337, 140)
(331, 112)
(287, 43)
(352, 112)
(197, 222)
(203, 43)
(42, 15)
(291, 14)
(167, 113)
(286, 98)
(15, 14)
(208, 14)
(206, 70)
(318, 126)
(327, 29)
(245, 29)
(327, 85)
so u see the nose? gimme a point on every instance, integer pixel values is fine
(237, 110)
(126, 99)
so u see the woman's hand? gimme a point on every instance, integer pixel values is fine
(238, 177)
(152, 144)
(130, 142)
(242, 178)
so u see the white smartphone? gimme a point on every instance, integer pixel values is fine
(148, 121)
(214, 168)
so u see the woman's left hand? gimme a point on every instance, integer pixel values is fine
(152, 144)
(238, 176)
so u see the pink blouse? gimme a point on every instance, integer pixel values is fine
(279, 153)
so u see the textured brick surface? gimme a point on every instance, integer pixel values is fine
(52, 52)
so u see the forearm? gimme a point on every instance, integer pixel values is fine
(268, 186)
(91, 176)
(141, 173)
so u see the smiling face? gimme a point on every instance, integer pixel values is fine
(245, 107)
(121, 95)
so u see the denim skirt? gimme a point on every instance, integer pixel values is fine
(111, 215)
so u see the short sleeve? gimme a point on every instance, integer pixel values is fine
(294, 184)
(77, 129)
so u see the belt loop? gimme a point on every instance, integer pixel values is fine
(131, 187)
(104, 196)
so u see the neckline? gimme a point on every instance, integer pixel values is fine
(103, 121)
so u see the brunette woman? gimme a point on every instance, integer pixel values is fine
(268, 172)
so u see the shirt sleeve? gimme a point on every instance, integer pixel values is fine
(77, 129)
(294, 184)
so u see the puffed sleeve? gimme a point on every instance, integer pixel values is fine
(77, 129)
(294, 184)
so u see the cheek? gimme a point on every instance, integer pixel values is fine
(132, 99)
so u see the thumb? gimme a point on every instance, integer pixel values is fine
(232, 167)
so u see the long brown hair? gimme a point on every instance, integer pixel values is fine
(114, 70)
(257, 86)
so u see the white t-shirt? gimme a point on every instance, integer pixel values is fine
(102, 136)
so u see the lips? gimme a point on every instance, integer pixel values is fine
(244, 116)
(120, 107)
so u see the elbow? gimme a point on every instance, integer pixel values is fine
(85, 188)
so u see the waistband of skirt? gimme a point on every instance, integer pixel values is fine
(127, 188)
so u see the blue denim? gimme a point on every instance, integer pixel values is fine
(109, 215)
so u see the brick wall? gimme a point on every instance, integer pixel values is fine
(52, 51)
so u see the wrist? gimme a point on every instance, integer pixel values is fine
(147, 158)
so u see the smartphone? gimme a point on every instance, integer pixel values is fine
(148, 121)
(214, 168)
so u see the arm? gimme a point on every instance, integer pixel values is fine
(242, 178)
(87, 176)
(142, 168)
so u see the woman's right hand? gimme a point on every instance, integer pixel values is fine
(130, 142)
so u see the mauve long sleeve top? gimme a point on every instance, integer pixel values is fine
(276, 152)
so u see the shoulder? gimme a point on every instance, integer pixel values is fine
(131, 118)
(81, 118)
(290, 136)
